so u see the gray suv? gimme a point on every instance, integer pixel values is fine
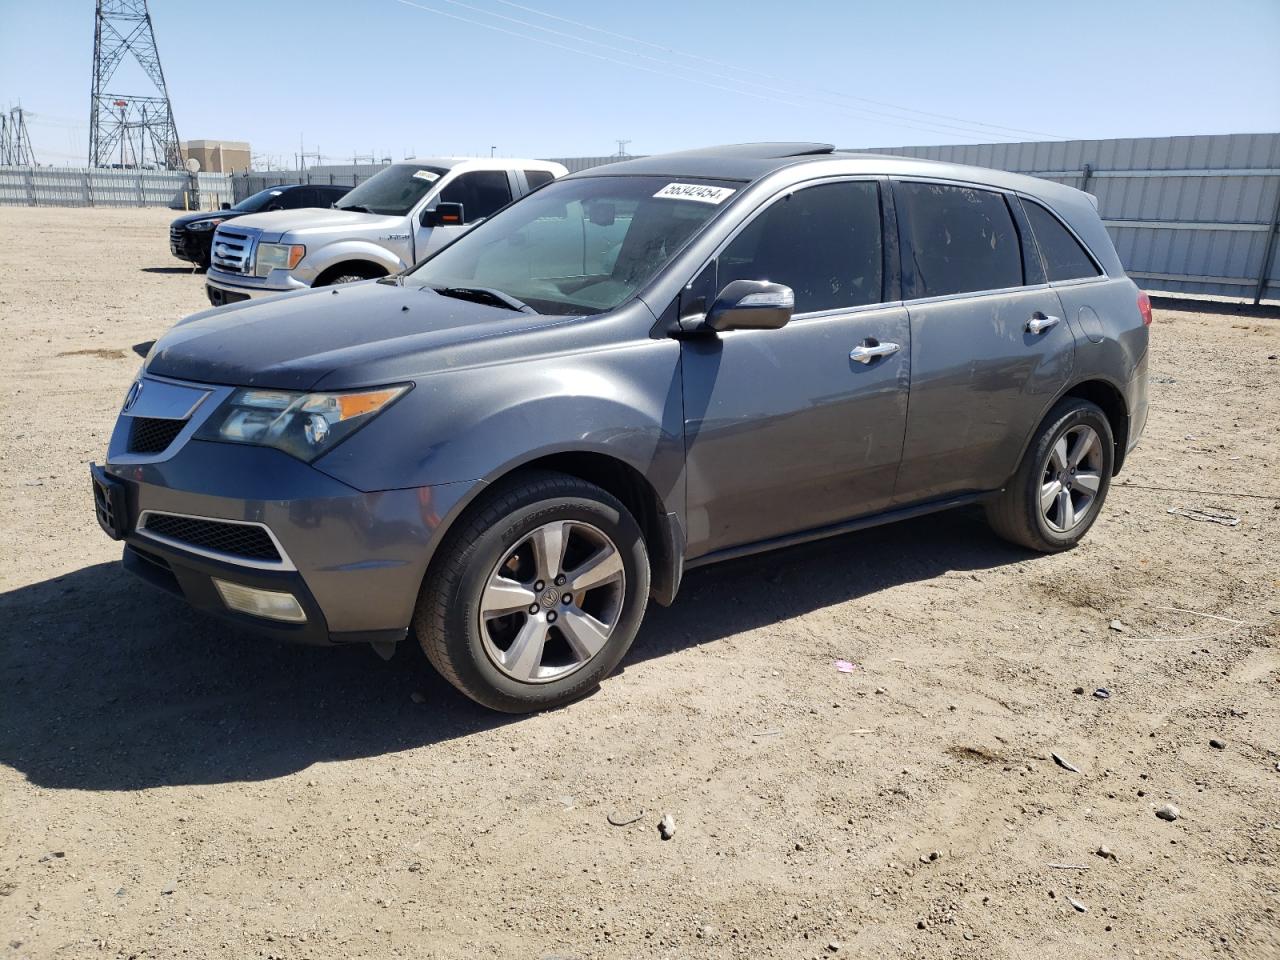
(640, 368)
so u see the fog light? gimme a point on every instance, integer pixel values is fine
(272, 604)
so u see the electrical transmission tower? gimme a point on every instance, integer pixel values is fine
(129, 130)
(15, 143)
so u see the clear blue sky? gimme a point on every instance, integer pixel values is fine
(389, 76)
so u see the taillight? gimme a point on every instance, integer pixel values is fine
(1144, 308)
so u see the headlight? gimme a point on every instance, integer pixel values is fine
(282, 256)
(204, 226)
(303, 425)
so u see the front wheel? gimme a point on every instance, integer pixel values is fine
(536, 595)
(1059, 488)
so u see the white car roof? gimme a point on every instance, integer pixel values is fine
(490, 163)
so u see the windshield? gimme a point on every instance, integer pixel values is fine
(578, 246)
(258, 202)
(392, 191)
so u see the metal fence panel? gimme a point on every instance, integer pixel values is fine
(108, 187)
(1187, 214)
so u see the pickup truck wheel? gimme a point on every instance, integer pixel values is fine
(536, 594)
(1059, 488)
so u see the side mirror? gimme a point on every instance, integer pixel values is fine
(444, 215)
(225, 205)
(750, 305)
(603, 213)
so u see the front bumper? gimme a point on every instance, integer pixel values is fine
(354, 560)
(192, 247)
(222, 288)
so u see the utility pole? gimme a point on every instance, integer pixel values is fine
(124, 27)
(491, 149)
(622, 148)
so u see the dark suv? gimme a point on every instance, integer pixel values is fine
(191, 235)
(637, 369)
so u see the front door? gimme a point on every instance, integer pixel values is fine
(989, 350)
(784, 430)
(481, 193)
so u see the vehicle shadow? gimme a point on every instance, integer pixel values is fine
(172, 269)
(111, 685)
(1260, 311)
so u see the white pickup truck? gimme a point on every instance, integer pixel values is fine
(385, 225)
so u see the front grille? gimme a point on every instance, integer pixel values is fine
(175, 234)
(245, 540)
(152, 434)
(233, 249)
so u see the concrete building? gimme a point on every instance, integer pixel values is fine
(219, 156)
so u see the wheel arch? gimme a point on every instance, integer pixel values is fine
(1109, 398)
(662, 531)
(368, 269)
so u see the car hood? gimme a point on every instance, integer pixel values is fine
(347, 336)
(300, 224)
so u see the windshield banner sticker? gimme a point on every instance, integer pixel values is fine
(695, 191)
(427, 175)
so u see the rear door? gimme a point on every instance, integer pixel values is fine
(298, 198)
(989, 349)
(784, 431)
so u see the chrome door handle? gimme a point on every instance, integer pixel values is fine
(1039, 323)
(868, 351)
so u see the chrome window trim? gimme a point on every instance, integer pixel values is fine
(973, 294)
(284, 563)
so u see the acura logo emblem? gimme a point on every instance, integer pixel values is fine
(131, 397)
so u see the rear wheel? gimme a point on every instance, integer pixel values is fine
(536, 595)
(1059, 488)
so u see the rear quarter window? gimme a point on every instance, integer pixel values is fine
(958, 240)
(1064, 258)
(536, 178)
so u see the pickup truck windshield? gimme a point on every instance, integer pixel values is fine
(392, 191)
(578, 246)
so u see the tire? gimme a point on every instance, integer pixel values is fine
(491, 560)
(1049, 505)
(344, 278)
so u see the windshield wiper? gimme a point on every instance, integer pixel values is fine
(355, 208)
(485, 295)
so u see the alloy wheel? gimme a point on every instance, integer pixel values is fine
(1071, 478)
(551, 604)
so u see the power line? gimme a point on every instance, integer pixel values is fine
(860, 114)
(703, 60)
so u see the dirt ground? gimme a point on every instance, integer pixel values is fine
(172, 788)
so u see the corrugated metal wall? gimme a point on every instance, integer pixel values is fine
(1187, 214)
(102, 187)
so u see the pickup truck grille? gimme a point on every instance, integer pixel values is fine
(233, 249)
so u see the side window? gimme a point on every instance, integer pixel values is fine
(823, 242)
(957, 240)
(1064, 258)
(536, 178)
(482, 193)
(296, 199)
